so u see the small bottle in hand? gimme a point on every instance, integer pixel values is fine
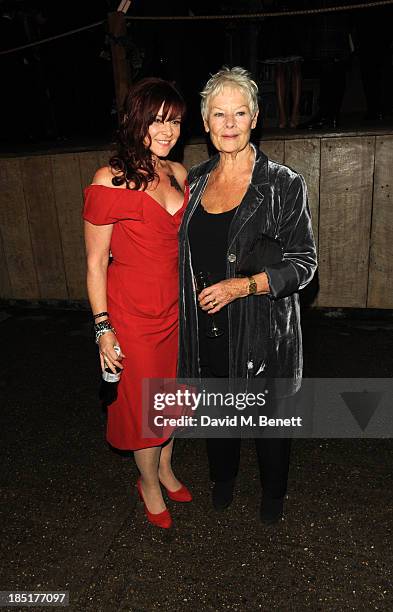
(107, 374)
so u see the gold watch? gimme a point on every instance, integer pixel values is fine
(252, 285)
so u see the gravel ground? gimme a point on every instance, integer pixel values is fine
(71, 520)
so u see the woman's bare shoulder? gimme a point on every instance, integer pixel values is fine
(104, 177)
(179, 171)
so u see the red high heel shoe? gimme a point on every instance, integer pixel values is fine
(181, 495)
(161, 519)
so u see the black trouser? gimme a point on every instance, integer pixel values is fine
(272, 453)
(273, 459)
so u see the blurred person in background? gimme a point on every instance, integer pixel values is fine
(281, 41)
(374, 46)
(328, 43)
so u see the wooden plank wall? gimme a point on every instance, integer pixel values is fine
(19, 262)
(350, 194)
(68, 201)
(5, 281)
(380, 282)
(274, 149)
(39, 194)
(345, 204)
(304, 157)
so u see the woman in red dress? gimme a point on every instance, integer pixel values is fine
(132, 212)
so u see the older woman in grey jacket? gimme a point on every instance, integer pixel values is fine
(248, 224)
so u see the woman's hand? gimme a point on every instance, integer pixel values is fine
(108, 356)
(213, 298)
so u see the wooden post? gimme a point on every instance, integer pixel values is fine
(121, 69)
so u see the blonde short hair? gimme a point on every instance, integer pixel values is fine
(236, 77)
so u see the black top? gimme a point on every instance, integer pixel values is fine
(208, 236)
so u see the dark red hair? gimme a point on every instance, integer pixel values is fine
(133, 160)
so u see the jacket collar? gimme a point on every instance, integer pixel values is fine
(260, 174)
(252, 199)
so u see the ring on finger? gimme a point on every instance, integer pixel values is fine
(213, 303)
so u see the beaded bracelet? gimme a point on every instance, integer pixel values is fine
(102, 325)
(102, 328)
(100, 314)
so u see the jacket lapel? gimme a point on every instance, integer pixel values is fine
(197, 181)
(253, 197)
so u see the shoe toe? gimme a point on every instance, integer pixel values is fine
(181, 495)
(222, 494)
(272, 510)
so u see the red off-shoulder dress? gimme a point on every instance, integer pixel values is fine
(142, 293)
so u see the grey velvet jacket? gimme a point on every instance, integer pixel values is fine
(264, 330)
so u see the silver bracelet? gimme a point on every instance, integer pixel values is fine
(102, 328)
(104, 331)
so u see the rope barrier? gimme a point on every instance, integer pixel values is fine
(46, 40)
(330, 9)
